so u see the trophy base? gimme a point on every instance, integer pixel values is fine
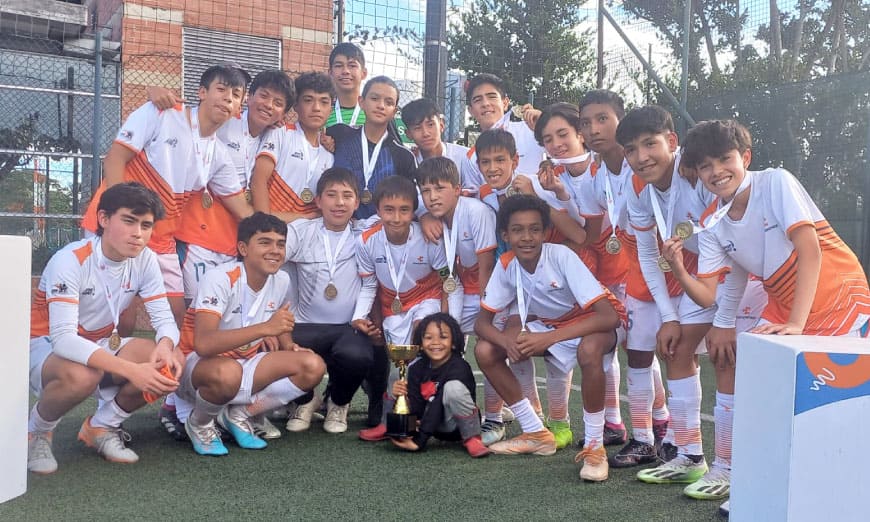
(401, 425)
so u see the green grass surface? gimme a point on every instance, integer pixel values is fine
(318, 476)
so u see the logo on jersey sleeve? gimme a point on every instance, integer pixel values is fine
(269, 145)
(554, 285)
(210, 300)
(125, 134)
(298, 155)
(172, 142)
(59, 288)
(381, 259)
(236, 310)
(87, 291)
(234, 145)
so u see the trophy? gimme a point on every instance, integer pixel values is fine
(400, 422)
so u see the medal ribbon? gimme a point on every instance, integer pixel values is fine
(251, 150)
(450, 240)
(126, 275)
(369, 162)
(340, 119)
(312, 158)
(720, 213)
(397, 276)
(332, 260)
(611, 203)
(203, 158)
(522, 303)
(249, 315)
(570, 161)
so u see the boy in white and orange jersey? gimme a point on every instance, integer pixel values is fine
(762, 223)
(176, 154)
(231, 374)
(399, 267)
(565, 315)
(75, 348)
(290, 160)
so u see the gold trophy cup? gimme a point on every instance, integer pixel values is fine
(400, 422)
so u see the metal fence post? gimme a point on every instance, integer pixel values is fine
(684, 78)
(96, 164)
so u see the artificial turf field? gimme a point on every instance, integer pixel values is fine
(319, 476)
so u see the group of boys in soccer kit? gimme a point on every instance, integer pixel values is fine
(279, 252)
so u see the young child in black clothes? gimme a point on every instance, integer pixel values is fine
(440, 388)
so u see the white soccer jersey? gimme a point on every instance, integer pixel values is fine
(592, 195)
(242, 147)
(531, 154)
(72, 303)
(559, 292)
(759, 243)
(293, 156)
(224, 291)
(469, 175)
(421, 280)
(306, 250)
(475, 235)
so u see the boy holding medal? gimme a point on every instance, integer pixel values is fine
(328, 285)
(291, 160)
(75, 347)
(566, 316)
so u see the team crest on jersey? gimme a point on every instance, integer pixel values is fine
(270, 305)
(554, 285)
(380, 259)
(126, 134)
(209, 300)
(88, 291)
(269, 145)
(234, 145)
(419, 260)
(297, 155)
(729, 246)
(172, 142)
(237, 310)
(59, 288)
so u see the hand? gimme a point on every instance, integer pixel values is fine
(523, 185)
(163, 98)
(672, 250)
(531, 344)
(550, 181)
(271, 344)
(400, 387)
(722, 347)
(327, 142)
(509, 341)
(147, 378)
(298, 348)
(531, 115)
(281, 322)
(406, 443)
(367, 327)
(667, 338)
(689, 174)
(432, 227)
(779, 329)
(166, 354)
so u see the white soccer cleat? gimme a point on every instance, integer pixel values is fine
(263, 428)
(110, 443)
(336, 417)
(301, 419)
(40, 459)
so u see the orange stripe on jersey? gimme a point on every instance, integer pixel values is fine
(610, 269)
(427, 288)
(140, 170)
(636, 285)
(577, 314)
(284, 199)
(84, 252)
(38, 315)
(234, 275)
(506, 258)
(185, 342)
(485, 190)
(96, 335)
(708, 211)
(638, 184)
(63, 300)
(470, 277)
(369, 232)
(212, 228)
(470, 153)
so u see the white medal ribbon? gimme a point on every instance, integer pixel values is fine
(611, 203)
(451, 239)
(720, 213)
(522, 303)
(203, 158)
(503, 191)
(247, 316)
(332, 260)
(313, 158)
(251, 150)
(126, 276)
(570, 161)
(397, 276)
(663, 226)
(502, 123)
(340, 119)
(369, 162)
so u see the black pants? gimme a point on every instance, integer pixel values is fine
(348, 355)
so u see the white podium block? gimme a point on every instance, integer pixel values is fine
(801, 426)
(14, 390)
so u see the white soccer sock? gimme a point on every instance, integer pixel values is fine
(686, 414)
(204, 411)
(37, 424)
(277, 394)
(109, 415)
(558, 392)
(660, 410)
(525, 374)
(723, 414)
(169, 401)
(492, 403)
(526, 416)
(593, 428)
(640, 400)
(612, 377)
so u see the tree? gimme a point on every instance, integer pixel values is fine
(535, 46)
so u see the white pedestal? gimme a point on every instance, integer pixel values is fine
(14, 391)
(801, 429)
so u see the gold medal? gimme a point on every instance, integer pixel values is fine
(684, 230)
(518, 111)
(248, 196)
(664, 266)
(207, 200)
(449, 285)
(114, 341)
(307, 196)
(331, 291)
(613, 245)
(396, 307)
(366, 197)
(511, 192)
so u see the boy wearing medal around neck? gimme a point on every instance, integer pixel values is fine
(762, 223)
(347, 69)
(662, 204)
(328, 284)
(603, 201)
(176, 154)
(231, 374)
(403, 270)
(374, 151)
(291, 159)
(559, 131)
(566, 316)
(75, 348)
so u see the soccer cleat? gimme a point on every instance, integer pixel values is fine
(680, 470)
(534, 443)
(660, 429)
(109, 442)
(40, 459)
(282, 413)
(714, 485)
(374, 434)
(336, 417)
(595, 467)
(205, 439)
(235, 420)
(475, 447)
(725, 509)
(614, 434)
(263, 428)
(634, 453)
(561, 432)
(301, 419)
(666, 452)
(491, 432)
(507, 415)
(169, 420)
